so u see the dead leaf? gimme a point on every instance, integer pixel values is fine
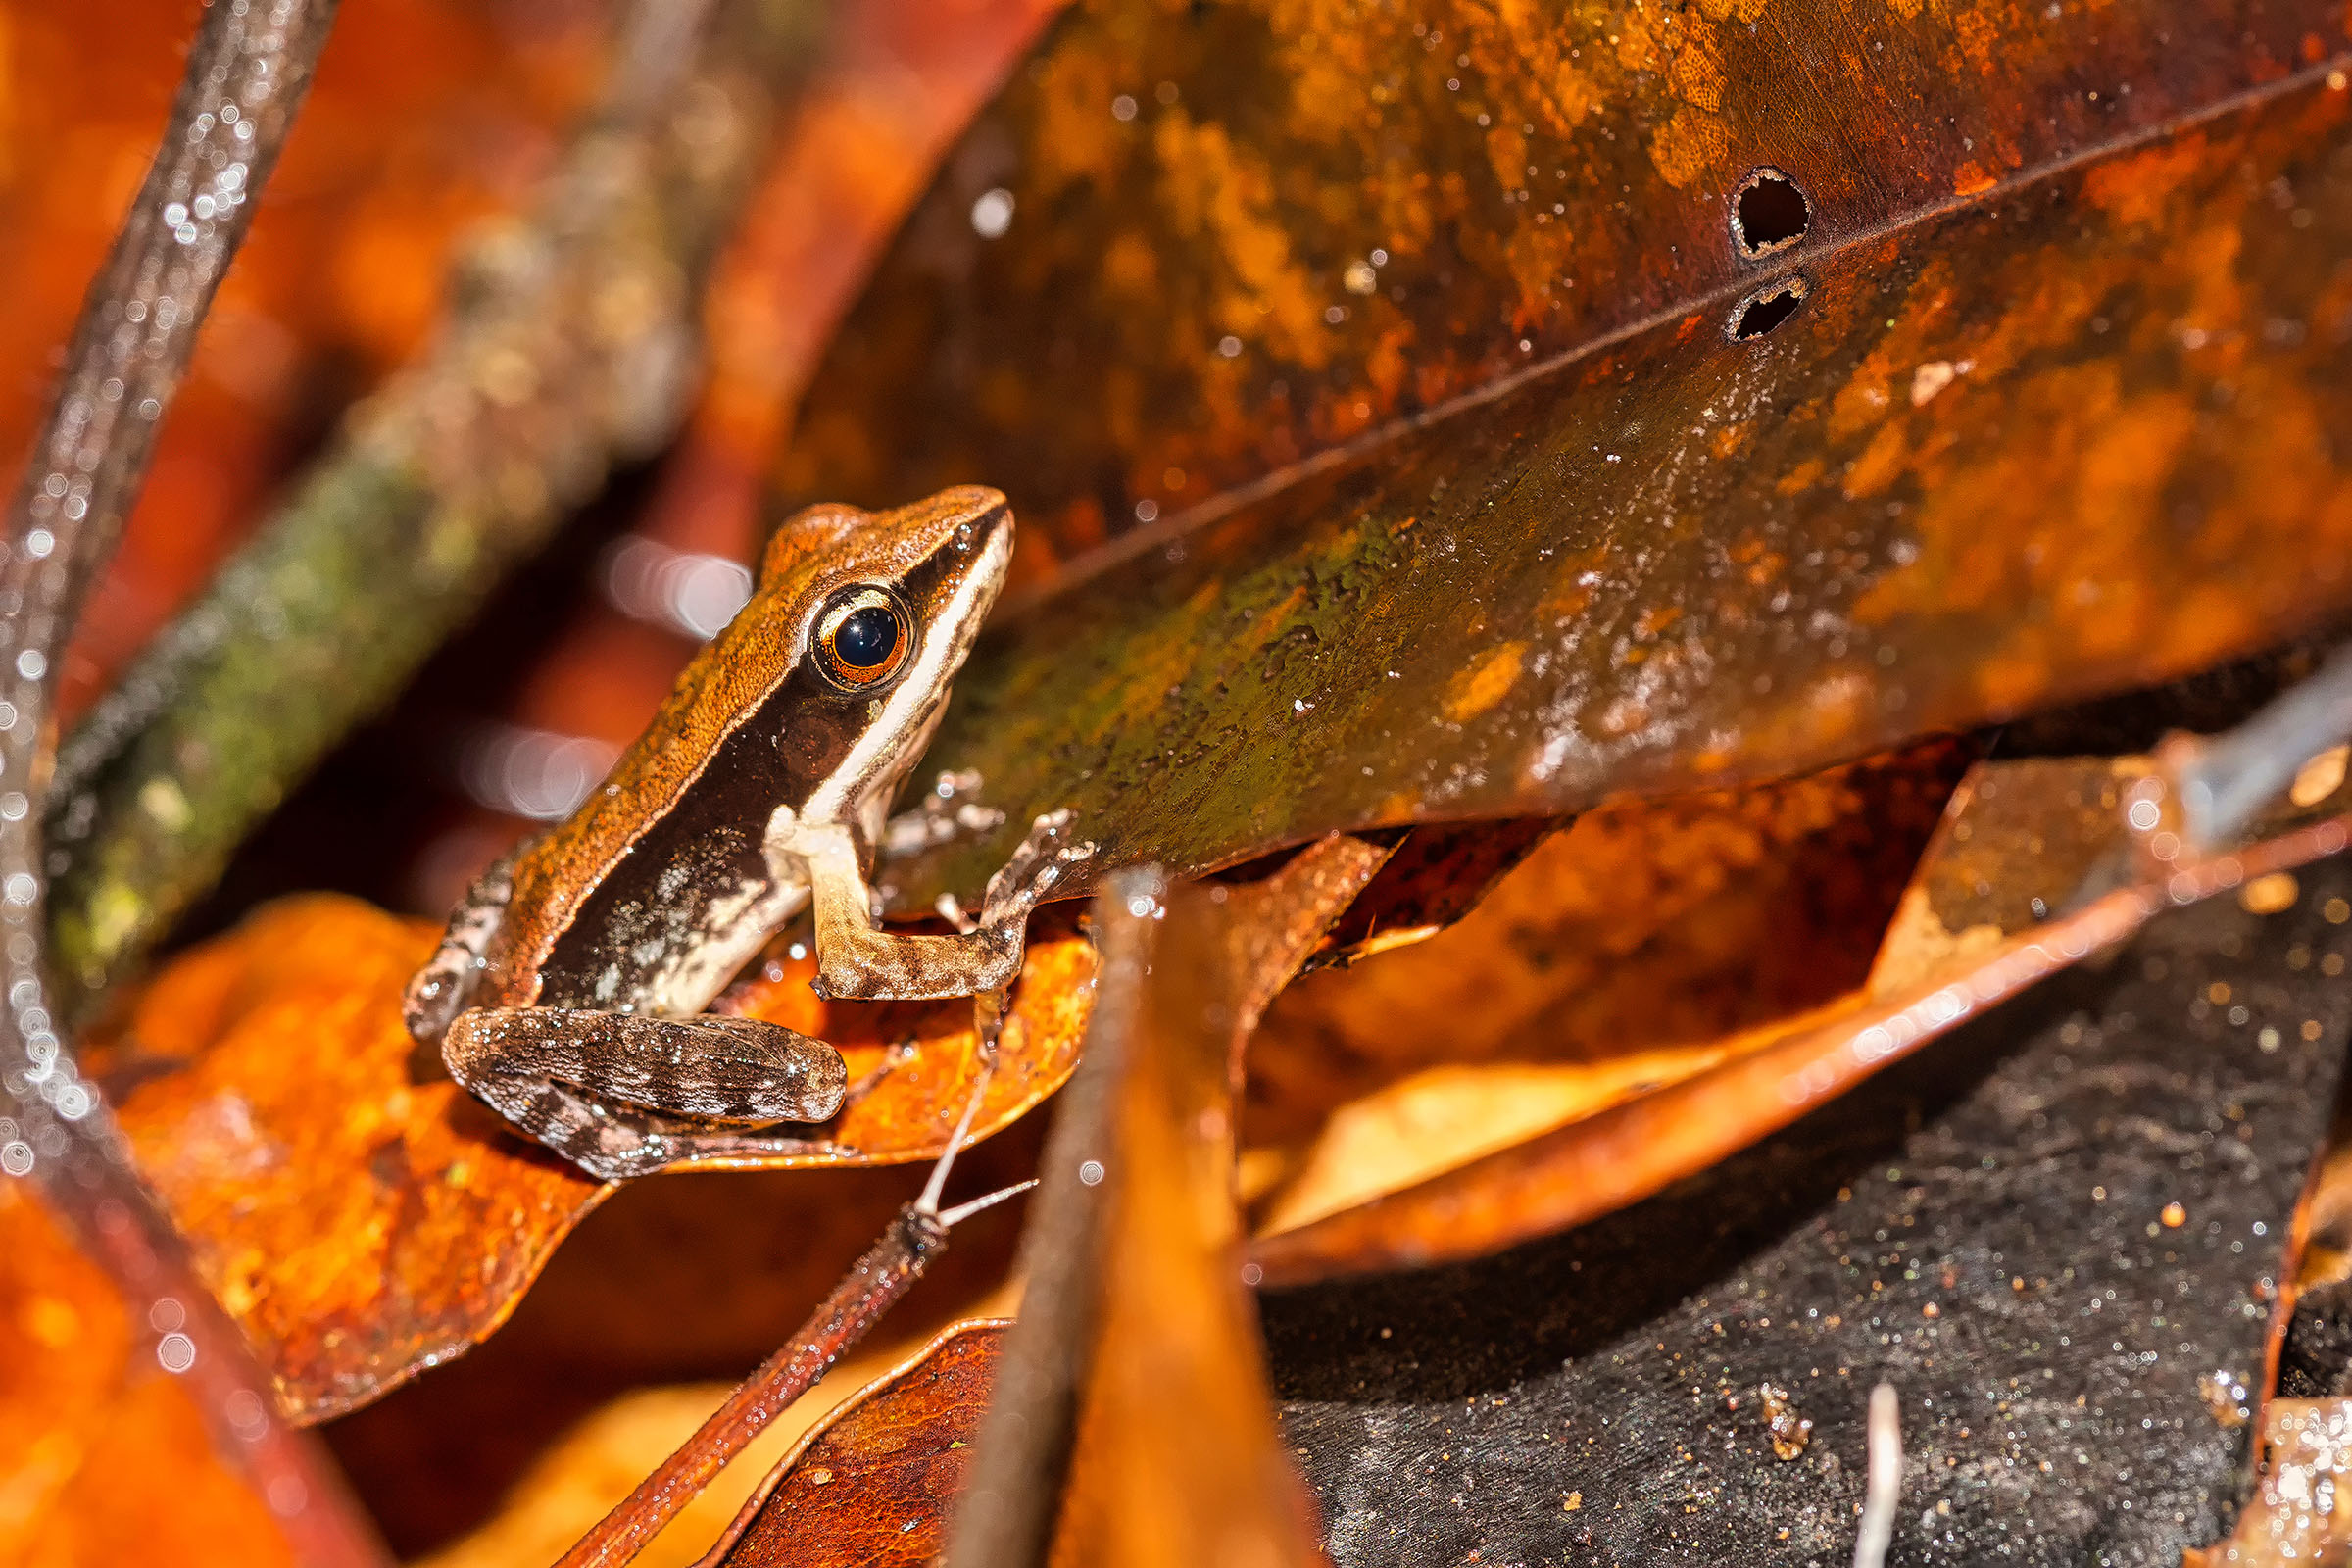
(1956, 948)
(104, 1459)
(1379, 207)
(1176, 1331)
(1623, 955)
(359, 1214)
(873, 1482)
(1645, 554)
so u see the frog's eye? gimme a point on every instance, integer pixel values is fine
(863, 637)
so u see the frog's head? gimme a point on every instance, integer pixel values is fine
(889, 600)
(881, 609)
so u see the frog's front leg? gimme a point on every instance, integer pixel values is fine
(856, 959)
(609, 1091)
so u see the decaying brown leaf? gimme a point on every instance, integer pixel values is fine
(2049, 415)
(1377, 206)
(104, 1459)
(1620, 955)
(871, 1486)
(362, 1216)
(2081, 871)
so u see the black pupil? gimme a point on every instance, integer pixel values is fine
(867, 638)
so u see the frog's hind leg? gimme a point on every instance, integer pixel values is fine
(441, 990)
(620, 1095)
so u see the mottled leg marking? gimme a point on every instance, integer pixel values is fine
(440, 991)
(1035, 867)
(858, 959)
(607, 1091)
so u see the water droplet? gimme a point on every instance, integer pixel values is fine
(992, 214)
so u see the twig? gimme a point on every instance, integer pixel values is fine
(571, 347)
(873, 1286)
(246, 76)
(2225, 779)
(1884, 1488)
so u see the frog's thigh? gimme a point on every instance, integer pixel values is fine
(714, 1067)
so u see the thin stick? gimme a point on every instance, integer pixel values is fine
(988, 1012)
(883, 1275)
(1883, 1488)
(963, 1212)
(887, 1271)
(247, 73)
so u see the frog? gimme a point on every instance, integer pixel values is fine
(570, 989)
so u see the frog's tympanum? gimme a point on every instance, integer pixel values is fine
(570, 989)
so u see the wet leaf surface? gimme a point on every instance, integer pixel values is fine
(2038, 863)
(1988, 1225)
(1377, 206)
(1626, 952)
(361, 1215)
(872, 1484)
(1682, 559)
(85, 1405)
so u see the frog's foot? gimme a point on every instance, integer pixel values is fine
(1044, 857)
(945, 812)
(613, 1093)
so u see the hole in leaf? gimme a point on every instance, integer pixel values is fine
(1769, 213)
(1766, 309)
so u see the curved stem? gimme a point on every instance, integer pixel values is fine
(247, 73)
